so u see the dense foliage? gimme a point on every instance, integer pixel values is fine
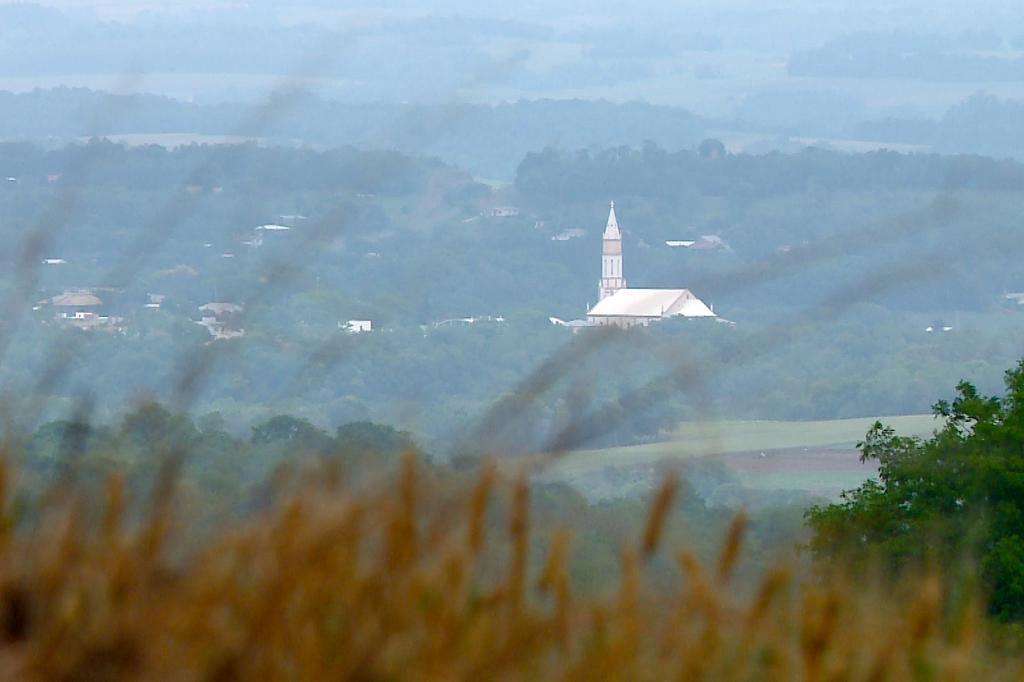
(958, 495)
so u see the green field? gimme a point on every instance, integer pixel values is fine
(701, 439)
(811, 456)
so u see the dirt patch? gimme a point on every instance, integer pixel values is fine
(824, 472)
(799, 460)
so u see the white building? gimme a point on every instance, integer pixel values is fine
(221, 320)
(621, 306)
(357, 326)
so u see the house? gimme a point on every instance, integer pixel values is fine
(76, 301)
(710, 242)
(221, 310)
(566, 235)
(467, 321)
(84, 310)
(155, 301)
(221, 320)
(574, 325)
(707, 242)
(357, 326)
(268, 233)
(503, 212)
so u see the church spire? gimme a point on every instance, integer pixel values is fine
(611, 230)
(611, 258)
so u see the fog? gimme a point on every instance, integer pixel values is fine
(714, 59)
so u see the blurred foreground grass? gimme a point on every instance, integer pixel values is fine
(429, 576)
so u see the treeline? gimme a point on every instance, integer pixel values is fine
(228, 469)
(490, 140)
(102, 164)
(969, 56)
(486, 140)
(654, 172)
(982, 124)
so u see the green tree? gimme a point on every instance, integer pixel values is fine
(298, 434)
(957, 495)
(368, 437)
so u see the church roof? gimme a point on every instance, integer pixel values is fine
(76, 299)
(651, 303)
(611, 231)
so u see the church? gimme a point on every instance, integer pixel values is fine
(620, 306)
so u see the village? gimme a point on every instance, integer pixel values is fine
(105, 309)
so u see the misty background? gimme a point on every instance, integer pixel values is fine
(458, 78)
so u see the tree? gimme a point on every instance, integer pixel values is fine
(958, 495)
(153, 428)
(299, 434)
(368, 437)
(711, 149)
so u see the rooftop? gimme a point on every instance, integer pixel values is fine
(651, 303)
(76, 299)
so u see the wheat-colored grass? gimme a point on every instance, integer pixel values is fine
(392, 583)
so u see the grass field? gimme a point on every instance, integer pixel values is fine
(701, 439)
(813, 456)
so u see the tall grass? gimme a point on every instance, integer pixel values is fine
(412, 579)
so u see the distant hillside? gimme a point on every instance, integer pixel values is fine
(982, 124)
(487, 140)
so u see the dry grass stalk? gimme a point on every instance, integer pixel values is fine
(659, 513)
(731, 548)
(335, 585)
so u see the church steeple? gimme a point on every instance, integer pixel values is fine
(611, 230)
(611, 258)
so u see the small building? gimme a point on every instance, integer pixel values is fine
(710, 242)
(154, 301)
(82, 309)
(468, 321)
(566, 235)
(503, 212)
(357, 326)
(221, 310)
(574, 325)
(76, 301)
(220, 320)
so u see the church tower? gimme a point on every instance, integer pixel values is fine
(611, 259)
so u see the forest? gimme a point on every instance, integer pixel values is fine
(829, 267)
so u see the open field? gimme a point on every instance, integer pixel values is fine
(700, 439)
(817, 457)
